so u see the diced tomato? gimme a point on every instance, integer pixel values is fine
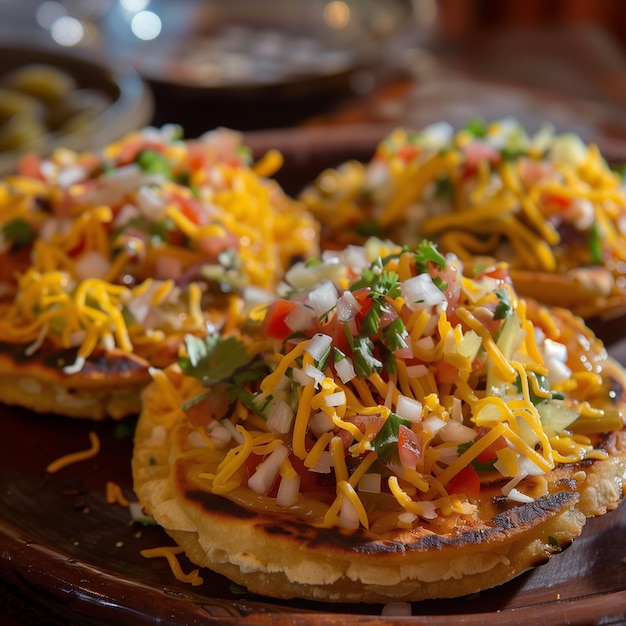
(212, 246)
(388, 315)
(212, 407)
(446, 373)
(30, 165)
(309, 481)
(274, 322)
(490, 453)
(192, 209)
(499, 271)
(407, 152)
(466, 482)
(409, 447)
(362, 296)
(555, 200)
(477, 152)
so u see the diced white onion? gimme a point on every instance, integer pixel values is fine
(196, 440)
(230, 427)
(136, 510)
(323, 298)
(92, 264)
(263, 478)
(300, 376)
(127, 213)
(407, 518)
(429, 510)
(348, 515)
(288, 491)
(78, 365)
(417, 371)
(455, 432)
(425, 343)
(299, 318)
(433, 424)
(420, 292)
(518, 496)
(157, 436)
(335, 399)
(280, 418)
(347, 307)
(320, 423)
(319, 345)
(409, 408)
(447, 454)
(71, 175)
(324, 463)
(150, 203)
(218, 434)
(456, 410)
(555, 355)
(314, 373)
(370, 483)
(345, 369)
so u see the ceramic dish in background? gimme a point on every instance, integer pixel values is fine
(51, 97)
(249, 64)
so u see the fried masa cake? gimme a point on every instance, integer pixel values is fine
(390, 429)
(546, 203)
(108, 259)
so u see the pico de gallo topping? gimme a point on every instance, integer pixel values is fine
(382, 387)
(122, 247)
(545, 202)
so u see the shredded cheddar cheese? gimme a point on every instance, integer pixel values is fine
(546, 203)
(372, 413)
(154, 237)
(170, 553)
(76, 457)
(115, 495)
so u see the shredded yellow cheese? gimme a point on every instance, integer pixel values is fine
(76, 457)
(170, 554)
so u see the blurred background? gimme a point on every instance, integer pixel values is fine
(326, 73)
(322, 80)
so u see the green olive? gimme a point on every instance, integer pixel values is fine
(44, 82)
(21, 131)
(13, 102)
(80, 107)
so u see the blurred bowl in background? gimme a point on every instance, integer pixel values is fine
(52, 98)
(251, 64)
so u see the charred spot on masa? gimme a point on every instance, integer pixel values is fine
(276, 530)
(540, 509)
(99, 362)
(217, 505)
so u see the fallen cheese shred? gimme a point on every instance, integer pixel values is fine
(76, 457)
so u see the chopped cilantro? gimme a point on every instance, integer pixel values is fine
(594, 243)
(554, 544)
(479, 466)
(476, 126)
(504, 308)
(538, 388)
(19, 232)
(365, 363)
(427, 251)
(368, 228)
(386, 441)
(444, 189)
(213, 359)
(153, 162)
